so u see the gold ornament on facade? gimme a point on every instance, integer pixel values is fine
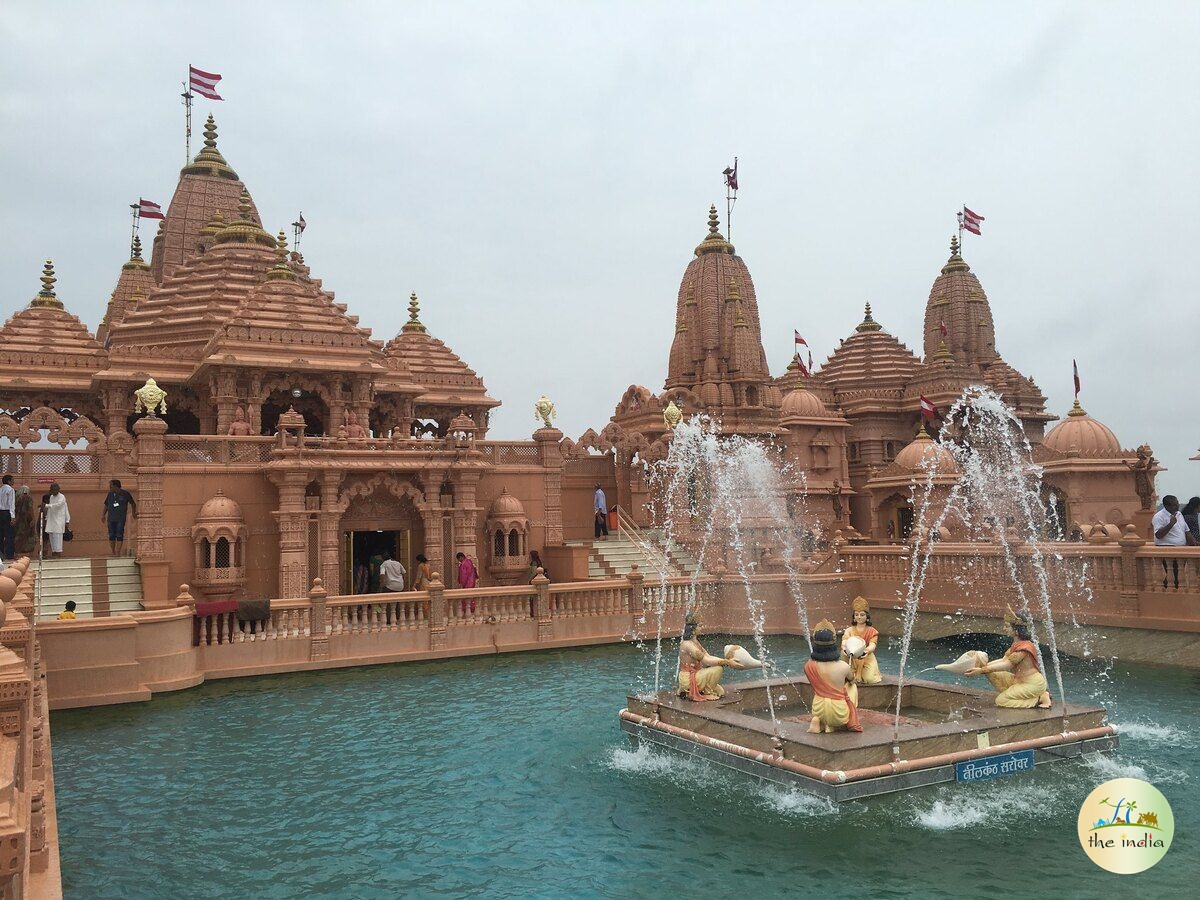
(544, 410)
(672, 415)
(150, 398)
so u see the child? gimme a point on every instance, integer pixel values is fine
(69, 612)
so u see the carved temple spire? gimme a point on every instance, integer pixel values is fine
(46, 296)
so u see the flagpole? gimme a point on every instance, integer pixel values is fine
(187, 104)
(730, 199)
(136, 207)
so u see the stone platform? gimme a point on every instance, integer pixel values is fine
(941, 727)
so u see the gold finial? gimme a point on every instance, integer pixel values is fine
(922, 434)
(281, 269)
(956, 262)
(137, 248)
(210, 132)
(714, 221)
(151, 398)
(672, 415)
(1077, 410)
(714, 241)
(46, 296)
(868, 323)
(414, 313)
(953, 246)
(544, 409)
(943, 352)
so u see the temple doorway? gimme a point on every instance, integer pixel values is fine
(364, 553)
(308, 404)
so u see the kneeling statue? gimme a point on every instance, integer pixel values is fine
(835, 695)
(1016, 674)
(863, 662)
(699, 671)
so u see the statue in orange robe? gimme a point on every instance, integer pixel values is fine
(835, 695)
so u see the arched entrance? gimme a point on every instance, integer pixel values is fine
(382, 516)
(308, 404)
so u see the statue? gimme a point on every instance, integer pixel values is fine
(544, 410)
(835, 695)
(859, 642)
(1016, 675)
(699, 672)
(239, 427)
(835, 492)
(151, 398)
(672, 415)
(354, 431)
(1143, 474)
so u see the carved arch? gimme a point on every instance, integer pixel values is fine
(397, 487)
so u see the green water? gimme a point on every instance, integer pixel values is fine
(507, 776)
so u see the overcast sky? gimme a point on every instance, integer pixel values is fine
(540, 173)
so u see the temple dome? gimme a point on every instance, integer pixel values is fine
(1082, 433)
(870, 360)
(922, 452)
(219, 508)
(802, 404)
(506, 506)
(958, 303)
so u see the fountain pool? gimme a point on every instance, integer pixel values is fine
(505, 777)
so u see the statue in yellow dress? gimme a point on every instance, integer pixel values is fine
(150, 397)
(864, 663)
(835, 695)
(699, 671)
(1016, 675)
(544, 410)
(672, 415)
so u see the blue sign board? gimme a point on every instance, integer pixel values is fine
(994, 766)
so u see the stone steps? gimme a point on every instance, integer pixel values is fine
(99, 586)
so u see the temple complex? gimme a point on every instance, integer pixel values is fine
(296, 445)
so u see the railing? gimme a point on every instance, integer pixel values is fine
(579, 599)
(674, 594)
(203, 449)
(354, 614)
(510, 453)
(289, 620)
(628, 530)
(491, 605)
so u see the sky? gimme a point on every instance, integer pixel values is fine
(539, 173)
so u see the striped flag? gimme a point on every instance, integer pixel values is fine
(971, 220)
(800, 340)
(148, 209)
(928, 410)
(300, 224)
(204, 83)
(1075, 367)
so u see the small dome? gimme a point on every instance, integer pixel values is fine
(219, 508)
(1082, 433)
(291, 419)
(506, 506)
(462, 422)
(917, 454)
(802, 404)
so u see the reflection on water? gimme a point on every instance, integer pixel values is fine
(508, 776)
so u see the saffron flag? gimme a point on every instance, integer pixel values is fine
(928, 410)
(300, 224)
(970, 220)
(1075, 367)
(148, 209)
(203, 83)
(730, 174)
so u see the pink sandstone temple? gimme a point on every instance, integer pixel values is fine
(296, 445)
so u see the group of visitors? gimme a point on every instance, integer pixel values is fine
(19, 522)
(1175, 527)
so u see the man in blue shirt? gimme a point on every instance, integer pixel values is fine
(601, 511)
(117, 505)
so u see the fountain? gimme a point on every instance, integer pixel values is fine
(863, 738)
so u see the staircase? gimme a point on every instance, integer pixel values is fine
(99, 586)
(629, 546)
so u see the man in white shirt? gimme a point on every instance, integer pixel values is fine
(600, 510)
(391, 575)
(1170, 531)
(8, 519)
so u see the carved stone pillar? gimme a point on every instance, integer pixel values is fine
(548, 440)
(151, 559)
(431, 518)
(254, 399)
(318, 625)
(117, 407)
(361, 401)
(330, 530)
(437, 613)
(293, 534)
(545, 621)
(224, 392)
(466, 518)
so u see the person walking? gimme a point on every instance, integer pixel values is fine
(600, 508)
(422, 578)
(117, 506)
(468, 577)
(26, 526)
(1191, 517)
(8, 519)
(58, 518)
(391, 574)
(1170, 530)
